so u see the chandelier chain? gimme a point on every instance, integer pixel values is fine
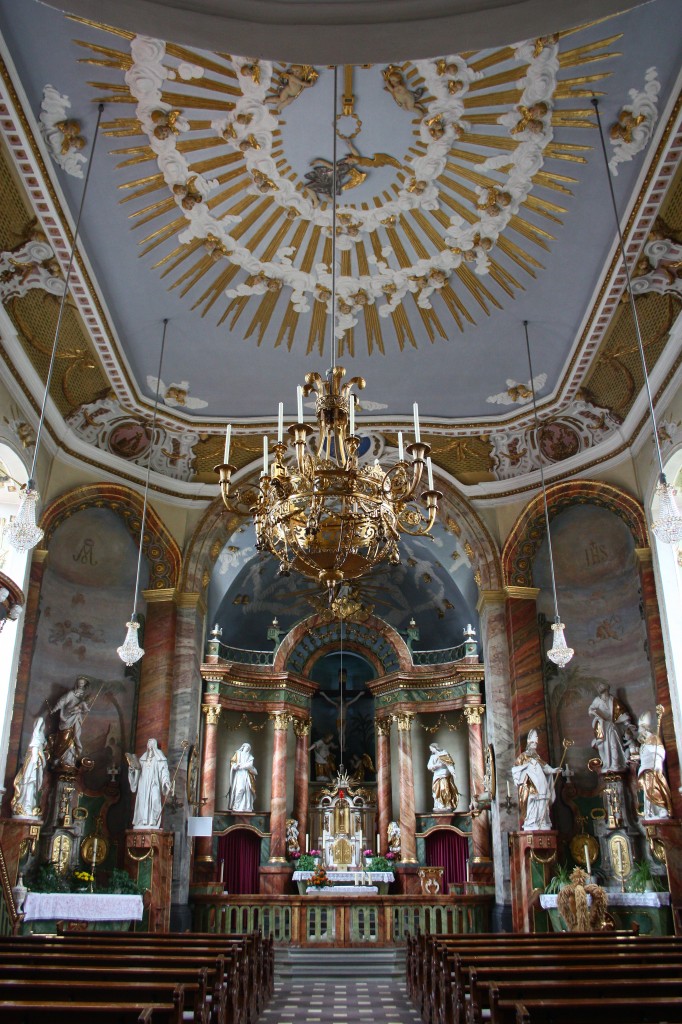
(334, 151)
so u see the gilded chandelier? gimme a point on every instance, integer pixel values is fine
(324, 514)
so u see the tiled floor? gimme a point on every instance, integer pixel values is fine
(307, 1001)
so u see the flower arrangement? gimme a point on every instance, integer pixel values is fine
(295, 855)
(378, 863)
(315, 853)
(83, 876)
(48, 879)
(391, 855)
(319, 878)
(367, 853)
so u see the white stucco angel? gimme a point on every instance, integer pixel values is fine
(445, 792)
(150, 779)
(242, 780)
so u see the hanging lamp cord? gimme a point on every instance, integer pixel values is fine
(149, 466)
(631, 297)
(62, 303)
(542, 474)
(332, 345)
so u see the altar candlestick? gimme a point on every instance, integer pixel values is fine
(417, 435)
(468, 872)
(378, 844)
(280, 422)
(228, 440)
(222, 870)
(508, 791)
(307, 842)
(299, 403)
(94, 849)
(401, 453)
(587, 860)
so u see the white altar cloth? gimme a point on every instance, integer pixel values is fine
(75, 906)
(346, 876)
(616, 898)
(347, 890)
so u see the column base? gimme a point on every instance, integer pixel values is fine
(275, 880)
(481, 871)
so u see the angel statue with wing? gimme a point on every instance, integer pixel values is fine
(320, 179)
(445, 792)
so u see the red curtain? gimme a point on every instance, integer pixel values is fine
(450, 851)
(239, 853)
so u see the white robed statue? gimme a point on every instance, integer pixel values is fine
(535, 781)
(242, 780)
(445, 792)
(29, 778)
(650, 778)
(150, 779)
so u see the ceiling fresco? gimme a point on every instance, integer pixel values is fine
(471, 196)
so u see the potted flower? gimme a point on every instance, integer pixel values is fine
(641, 878)
(319, 879)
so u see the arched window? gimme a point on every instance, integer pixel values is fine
(13, 564)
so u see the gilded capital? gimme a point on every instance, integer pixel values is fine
(301, 726)
(404, 720)
(474, 713)
(212, 712)
(281, 719)
(383, 726)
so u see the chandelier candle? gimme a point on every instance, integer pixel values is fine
(280, 422)
(417, 435)
(228, 440)
(401, 452)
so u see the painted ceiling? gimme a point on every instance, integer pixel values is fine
(473, 196)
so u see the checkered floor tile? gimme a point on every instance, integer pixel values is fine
(308, 1001)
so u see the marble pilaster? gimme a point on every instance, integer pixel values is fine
(204, 845)
(480, 834)
(184, 724)
(384, 794)
(408, 818)
(525, 665)
(656, 651)
(278, 797)
(301, 775)
(499, 729)
(156, 669)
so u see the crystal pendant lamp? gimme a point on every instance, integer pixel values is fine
(667, 526)
(130, 651)
(23, 533)
(559, 653)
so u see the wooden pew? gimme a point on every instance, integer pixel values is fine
(617, 1010)
(183, 997)
(599, 993)
(25, 1005)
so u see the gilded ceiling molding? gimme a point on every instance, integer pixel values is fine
(159, 547)
(528, 531)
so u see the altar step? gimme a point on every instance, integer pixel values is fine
(339, 963)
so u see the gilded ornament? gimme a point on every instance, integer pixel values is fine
(281, 719)
(212, 712)
(531, 119)
(262, 182)
(625, 125)
(404, 720)
(474, 713)
(383, 726)
(187, 194)
(72, 138)
(302, 726)
(165, 123)
(406, 98)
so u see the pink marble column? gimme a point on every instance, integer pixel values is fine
(384, 795)
(278, 798)
(156, 670)
(408, 818)
(301, 776)
(204, 844)
(480, 836)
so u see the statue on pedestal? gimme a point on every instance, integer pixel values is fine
(292, 837)
(445, 792)
(242, 780)
(325, 762)
(150, 780)
(29, 779)
(613, 744)
(535, 781)
(66, 748)
(394, 838)
(650, 779)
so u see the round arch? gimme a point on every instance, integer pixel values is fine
(311, 638)
(529, 530)
(159, 547)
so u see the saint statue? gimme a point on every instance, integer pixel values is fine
(535, 781)
(242, 780)
(445, 792)
(325, 762)
(150, 780)
(650, 778)
(29, 778)
(394, 838)
(292, 840)
(613, 744)
(66, 748)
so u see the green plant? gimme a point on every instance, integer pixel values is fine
(48, 879)
(378, 863)
(306, 862)
(121, 882)
(641, 879)
(559, 879)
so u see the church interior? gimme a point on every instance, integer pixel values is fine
(340, 465)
